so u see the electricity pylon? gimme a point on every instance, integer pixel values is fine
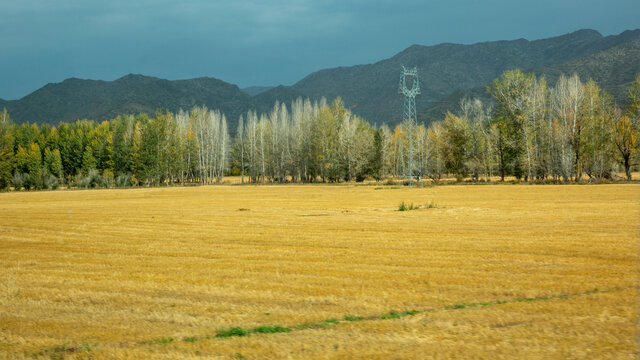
(409, 77)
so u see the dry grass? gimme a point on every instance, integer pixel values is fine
(111, 273)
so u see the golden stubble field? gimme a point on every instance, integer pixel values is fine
(496, 271)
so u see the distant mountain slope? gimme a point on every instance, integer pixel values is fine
(446, 68)
(255, 90)
(265, 101)
(451, 102)
(99, 100)
(613, 69)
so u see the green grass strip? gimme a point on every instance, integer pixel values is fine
(272, 329)
(61, 351)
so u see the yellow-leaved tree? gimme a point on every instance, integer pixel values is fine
(627, 129)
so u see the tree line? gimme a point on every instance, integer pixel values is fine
(535, 132)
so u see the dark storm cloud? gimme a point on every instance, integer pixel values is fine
(261, 42)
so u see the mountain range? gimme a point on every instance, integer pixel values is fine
(613, 69)
(447, 73)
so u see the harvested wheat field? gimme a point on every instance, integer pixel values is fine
(277, 272)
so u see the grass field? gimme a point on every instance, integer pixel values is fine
(495, 271)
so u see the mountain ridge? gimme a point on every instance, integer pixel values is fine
(613, 69)
(444, 69)
(99, 100)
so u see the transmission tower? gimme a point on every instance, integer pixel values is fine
(409, 88)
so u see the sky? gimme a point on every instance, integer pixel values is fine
(258, 42)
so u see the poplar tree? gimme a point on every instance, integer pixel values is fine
(380, 166)
(457, 140)
(240, 147)
(477, 118)
(511, 92)
(598, 151)
(626, 133)
(626, 140)
(435, 143)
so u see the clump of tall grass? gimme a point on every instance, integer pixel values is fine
(406, 207)
(431, 205)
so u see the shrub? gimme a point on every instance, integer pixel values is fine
(39, 179)
(134, 181)
(51, 182)
(390, 181)
(19, 180)
(91, 180)
(123, 180)
(108, 178)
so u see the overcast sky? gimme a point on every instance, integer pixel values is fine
(253, 42)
